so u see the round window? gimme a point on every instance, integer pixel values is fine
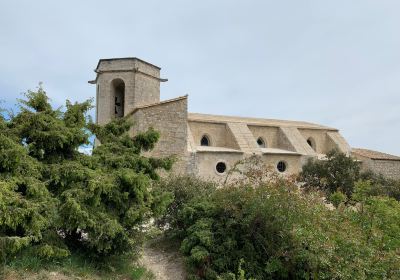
(281, 166)
(220, 167)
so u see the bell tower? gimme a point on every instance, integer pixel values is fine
(122, 84)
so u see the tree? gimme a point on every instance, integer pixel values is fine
(338, 172)
(59, 200)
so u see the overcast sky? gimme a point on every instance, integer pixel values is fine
(334, 62)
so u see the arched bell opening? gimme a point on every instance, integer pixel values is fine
(118, 87)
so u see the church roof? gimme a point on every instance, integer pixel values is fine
(157, 104)
(254, 121)
(374, 154)
(124, 58)
(196, 117)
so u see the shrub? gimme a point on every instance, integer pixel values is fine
(337, 198)
(56, 200)
(382, 185)
(340, 173)
(337, 172)
(272, 231)
(183, 189)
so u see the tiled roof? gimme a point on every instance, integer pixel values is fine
(373, 154)
(254, 121)
(225, 119)
(157, 103)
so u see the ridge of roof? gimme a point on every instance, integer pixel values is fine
(157, 103)
(255, 121)
(374, 154)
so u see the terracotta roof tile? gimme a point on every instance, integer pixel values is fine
(373, 154)
(157, 104)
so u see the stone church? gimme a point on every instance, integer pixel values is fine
(209, 145)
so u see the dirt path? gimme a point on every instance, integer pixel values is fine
(164, 263)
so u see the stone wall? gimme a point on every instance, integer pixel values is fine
(219, 134)
(293, 162)
(105, 97)
(205, 163)
(142, 85)
(244, 138)
(170, 119)
(319, 138)
(336, 141)
(268, 134)
(147, 84)
(291, 139)
(284, 142)
(388, 168)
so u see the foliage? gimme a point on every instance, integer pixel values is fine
(382, 186)
(182, 189)
(337, 172)
(271, 230)
(26, 265)
(27, 208)
(340, 173)
(337, 198)
(55, 200)
(379, 217)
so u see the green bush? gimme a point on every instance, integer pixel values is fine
(273, 231)
(340, 173)
(337, 173)
(183, 189)
(382, 186)
(337, 198)
(55, 200)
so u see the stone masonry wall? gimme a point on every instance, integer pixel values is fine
(388, 168)
(105, 95)
(147, 84)
(291, 139)
(336, 141)
(206, 163)
(268, 134)
(219, 134)
(319, 137)
(293, 162)
(170, 119)
(142, 86)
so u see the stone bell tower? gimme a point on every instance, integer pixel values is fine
(123, 84)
